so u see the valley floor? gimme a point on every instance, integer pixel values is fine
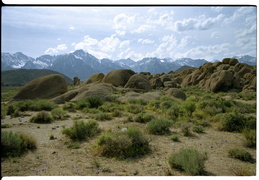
(53, 158)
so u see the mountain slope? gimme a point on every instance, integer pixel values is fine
(20, 77)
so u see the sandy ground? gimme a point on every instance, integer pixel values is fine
(53, 158)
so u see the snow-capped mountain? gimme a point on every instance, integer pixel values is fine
(83, 64)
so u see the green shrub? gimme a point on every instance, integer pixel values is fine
(138, 101)
(35, 105)
(58, 114)
(82, 104)
(10, 144)
(143, 117)
(250, 137)
(240, 154)
(173, 112)
(82, 130)
(198, 129)
(42, 117)
(159, 126)
(130, 143)
(134, 108)
(94, 101)
(117, 113)
(185, 128)
(188, 160)
(250, 122)
(189, 107)
(71, 107)
(101, 116)
(233, 122)
(6, 125)
(175, 137)
(10, 109)
(110, 107)
(13, 144)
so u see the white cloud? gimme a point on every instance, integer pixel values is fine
(120, 33)
(56, 50)
(71, 27)
(146, 41)
(135, 56)
(206, 52)
(142, 28)
(217, 8)
(109, 44)
(200, 23)
(99, 54)
(184, 41)
(122, 20)
(124, 44)
(215, 34)
(239, 13)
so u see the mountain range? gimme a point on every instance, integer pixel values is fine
(83, 64)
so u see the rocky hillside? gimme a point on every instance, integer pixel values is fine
(225, 76)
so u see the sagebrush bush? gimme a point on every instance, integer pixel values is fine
(101, 116)
(29, 142)
(250, 137)
(143, 117)
(189, 160)
(10, 109)
(159, 126)
(189, 107)
(233, 121)
(82, 104)
(175, 137)
(117, 113)
(42, 117)
(82, 130)
(35, 105)
(134, 108)
(13, 144)
(58, 114)
(71, 107)
(138, 101)
(130, 143)
(173, 112)
(198, 129)
(240, 154)
(94, 101)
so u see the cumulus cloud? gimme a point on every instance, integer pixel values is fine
(122, 20)
(134, 55)
(142, 28)
(200, 23)
(239, 13)
(146, 41)
(217, 8)
(124, 44)
(56, 50)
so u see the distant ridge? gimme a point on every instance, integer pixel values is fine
(19, 77)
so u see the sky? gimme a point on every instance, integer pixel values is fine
(136, 32)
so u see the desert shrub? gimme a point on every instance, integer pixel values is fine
(16, 113)
(58, 114)
(250, 137)
(233, 121)
(117, 113)
(240, 154)
(10, 144)
(189, 160)
(110, 107)
(29, 142)
(42, 117)
(154, 105)
(35, 105)
(101, 116)
(247, 96)
(244, 171)
(198, 129)
(71, 107)
(142, 102)
(189, 107)
(10, 109)
(82, 130)
(13, 144)
(134, 108)
(220, 105)
(94, 101)
(143, 117)
(174, 137)
(185, 128)
(82, 104)
(6, 125)
(159, 126)
(73, 145)
(250, 122)
(130, 143)
(173, 112)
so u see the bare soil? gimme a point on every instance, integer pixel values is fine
(53, 158)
